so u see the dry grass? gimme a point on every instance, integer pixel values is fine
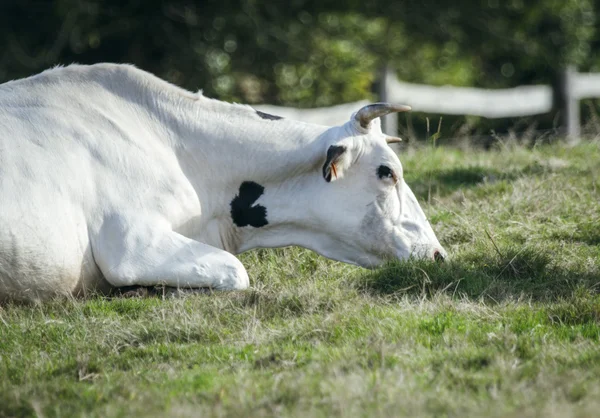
(509, 327)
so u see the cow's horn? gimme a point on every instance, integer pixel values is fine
(366, 114)
(393, 139)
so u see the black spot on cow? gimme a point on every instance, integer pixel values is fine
(267, 116)
(243, 212)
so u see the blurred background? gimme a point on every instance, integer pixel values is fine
(306, 53)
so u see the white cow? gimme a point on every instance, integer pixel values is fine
(112, 177)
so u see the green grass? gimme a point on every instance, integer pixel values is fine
(510, 326)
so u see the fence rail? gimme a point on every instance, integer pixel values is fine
(586, 85)
(449, 100)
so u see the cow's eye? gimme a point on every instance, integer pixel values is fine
(384, 172)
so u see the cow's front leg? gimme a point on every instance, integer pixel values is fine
(139, 252)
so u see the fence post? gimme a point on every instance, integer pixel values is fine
(389, 123)
(567, 103)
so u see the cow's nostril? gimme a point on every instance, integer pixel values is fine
(437, 256)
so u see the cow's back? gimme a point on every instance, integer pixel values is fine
(68, 157)
(44, 181)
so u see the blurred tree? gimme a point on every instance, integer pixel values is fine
(304, 52)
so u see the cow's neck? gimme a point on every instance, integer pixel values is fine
(293, 207)
(244, 146)
(240, 163)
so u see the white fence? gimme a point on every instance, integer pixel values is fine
(449, 100)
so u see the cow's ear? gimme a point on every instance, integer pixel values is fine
(335, 163)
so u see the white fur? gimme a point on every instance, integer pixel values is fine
(110, 176)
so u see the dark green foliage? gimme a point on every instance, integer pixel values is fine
(310, 53)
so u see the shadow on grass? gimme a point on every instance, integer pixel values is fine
(591, 238)
(444, 182)
(586, 233)
(518, 273)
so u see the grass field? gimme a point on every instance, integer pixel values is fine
(509, 327)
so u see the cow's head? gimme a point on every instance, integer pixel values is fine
(368, 213)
